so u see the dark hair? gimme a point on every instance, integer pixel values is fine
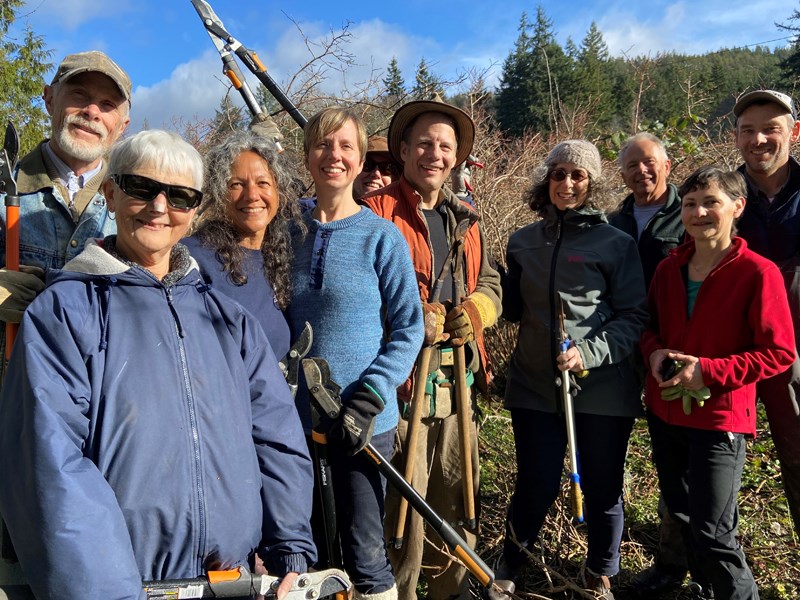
(538, 196)
(730, 182)
(216, 230)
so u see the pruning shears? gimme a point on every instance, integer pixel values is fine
(8, 186)
(227, 46)
(236, 583)
(576, 495)
(290, 364)
(325, 397)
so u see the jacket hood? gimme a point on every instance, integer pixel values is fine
(95, 261)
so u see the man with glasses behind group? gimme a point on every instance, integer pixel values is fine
(379, 168)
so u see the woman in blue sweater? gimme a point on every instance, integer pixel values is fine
(354, 282)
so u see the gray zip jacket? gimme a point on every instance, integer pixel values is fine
(574, 259)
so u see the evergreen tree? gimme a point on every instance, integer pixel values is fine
(24, 61)
(394, 83)
(511, 101)
(791, 64)
(536, 76)
(594, 76)
(425, 83)
(227, 118)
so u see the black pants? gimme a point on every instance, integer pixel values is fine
(540, 439)
(700, 473)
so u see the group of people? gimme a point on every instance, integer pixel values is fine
(179, 448)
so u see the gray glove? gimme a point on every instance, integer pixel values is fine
(17, 291)
(267, 128)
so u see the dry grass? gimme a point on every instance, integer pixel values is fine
(555, 566)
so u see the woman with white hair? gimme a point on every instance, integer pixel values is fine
(146, 431)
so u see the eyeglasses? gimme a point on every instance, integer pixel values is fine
(576, 176)
(146, 189)
(386, 167)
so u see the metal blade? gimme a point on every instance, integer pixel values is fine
(324, 392)
(8, 161)
(211, 23)
(11, 144)
(291, 362)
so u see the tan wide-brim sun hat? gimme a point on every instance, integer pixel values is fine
(405, 115)
(377, 146)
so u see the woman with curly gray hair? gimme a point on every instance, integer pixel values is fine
(572, 274)
(242, 241)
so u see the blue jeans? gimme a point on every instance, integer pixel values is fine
(360, 491)
(540, 439)
(700, 473)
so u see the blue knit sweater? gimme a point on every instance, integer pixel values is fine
(355, 284)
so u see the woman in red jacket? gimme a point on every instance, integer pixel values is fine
(720, 322)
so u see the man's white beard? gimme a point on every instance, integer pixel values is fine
(79, 149)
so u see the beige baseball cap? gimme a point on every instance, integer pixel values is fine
(93, 61)
(778, 98)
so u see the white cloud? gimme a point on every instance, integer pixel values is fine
(690, 27)
(192, 92)
(193, 89)
(71, 14)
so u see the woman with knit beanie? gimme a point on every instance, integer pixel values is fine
(572, 267)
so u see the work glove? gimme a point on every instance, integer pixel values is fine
(464, 321)
(264, 126)
(433, 314)
(352, 430)
(17, 291)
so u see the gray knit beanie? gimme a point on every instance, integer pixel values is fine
(580, 152)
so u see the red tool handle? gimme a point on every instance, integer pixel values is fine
(12, 262)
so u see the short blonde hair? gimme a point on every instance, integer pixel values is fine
(329, 120)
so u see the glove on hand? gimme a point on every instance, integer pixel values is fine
(433, 315)
(353, 429)
(265, 127)
(17, 291)
(475, 312)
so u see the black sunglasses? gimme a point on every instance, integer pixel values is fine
(386, 167)
(576, 176)
(146, 189)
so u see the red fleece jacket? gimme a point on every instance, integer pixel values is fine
(740, 328)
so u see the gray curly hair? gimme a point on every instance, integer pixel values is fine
(216, 230)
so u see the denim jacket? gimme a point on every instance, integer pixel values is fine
(49, 236)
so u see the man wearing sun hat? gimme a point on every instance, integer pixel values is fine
(379, 168)
(766, 127)
(58, 183)
(430, 138)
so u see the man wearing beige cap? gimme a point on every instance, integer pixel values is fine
(379, 168)
(430, 138)
(58, 183)
(766, 128)
(61, 205)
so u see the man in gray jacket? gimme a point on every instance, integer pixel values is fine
(651, 215)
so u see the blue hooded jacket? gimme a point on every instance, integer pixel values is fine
(146, 432)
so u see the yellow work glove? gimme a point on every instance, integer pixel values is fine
(475, 312)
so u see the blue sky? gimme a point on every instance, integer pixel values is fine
(176, 71)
